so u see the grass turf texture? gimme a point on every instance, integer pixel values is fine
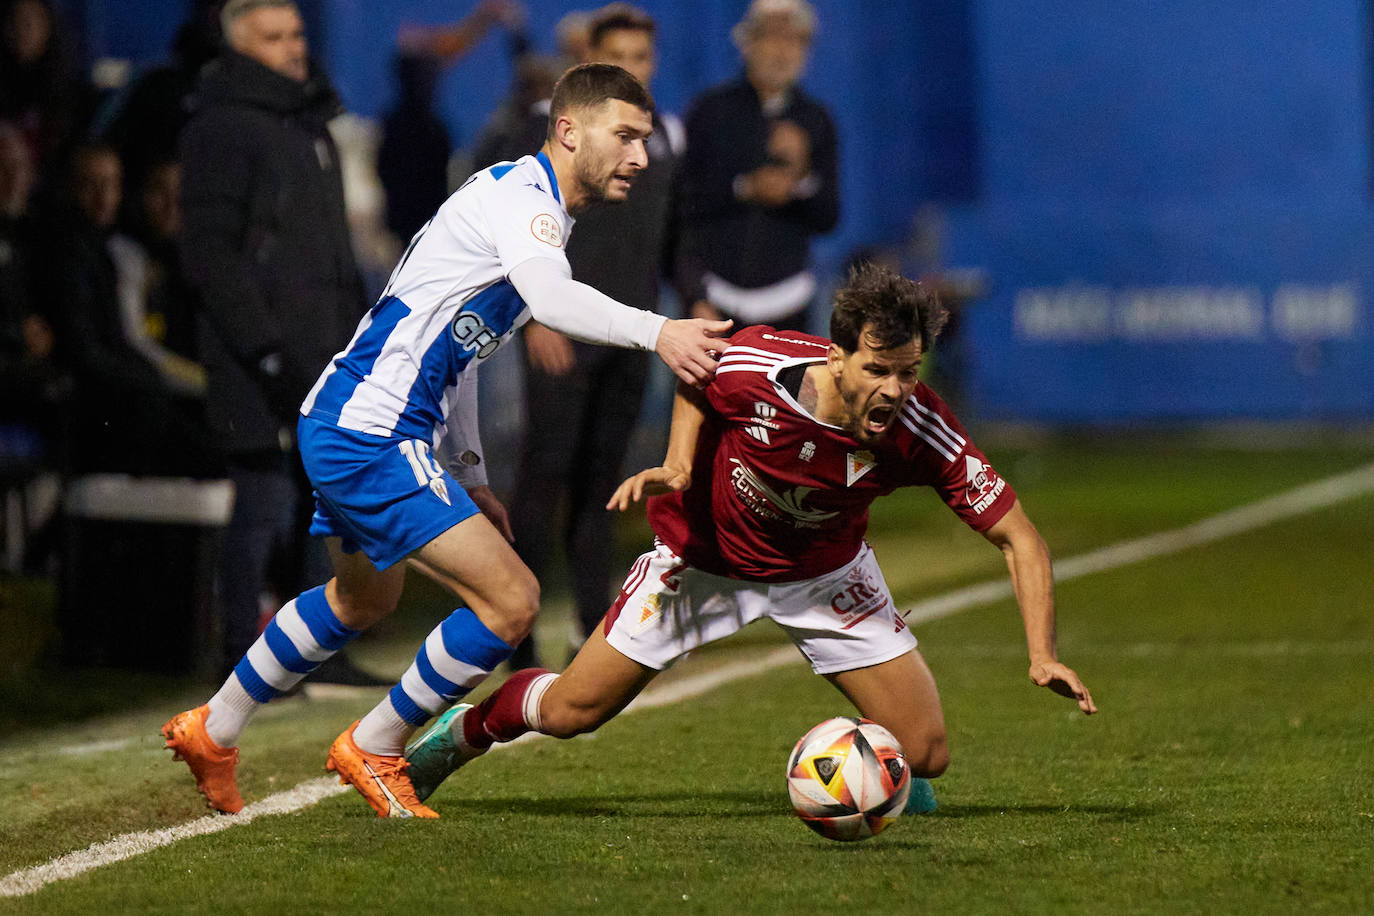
(1229, 770)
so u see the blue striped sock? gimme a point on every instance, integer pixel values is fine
(303, 634)
(457, 655)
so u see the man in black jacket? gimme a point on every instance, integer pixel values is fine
(582, 400)
(760, 176)
(266, 245)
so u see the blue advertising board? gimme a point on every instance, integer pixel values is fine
(1176, 219)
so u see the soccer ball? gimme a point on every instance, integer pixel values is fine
(848, 779)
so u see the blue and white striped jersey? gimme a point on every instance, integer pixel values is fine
(447, 307)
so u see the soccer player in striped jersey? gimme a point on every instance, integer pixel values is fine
(492, 257)
(762, 510)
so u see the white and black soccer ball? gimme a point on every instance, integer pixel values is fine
(848, 779)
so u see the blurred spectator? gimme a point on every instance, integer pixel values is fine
(41, 92)
(760, 176)
(266, 246)
(573, 36)
(155, 303)
(582, 401)
(126, 419)
(521, 122)
(33, 391)
(413, 160)
(149, 117)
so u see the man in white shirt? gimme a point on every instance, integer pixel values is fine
(492, 257)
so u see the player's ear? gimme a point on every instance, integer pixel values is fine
(566, 132)
(834, 360)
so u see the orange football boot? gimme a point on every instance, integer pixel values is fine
(382, 780)
(212, 766)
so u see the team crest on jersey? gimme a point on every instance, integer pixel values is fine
(472, 332)
(547, 229)
(808, 451)
(983, 487)
(763, 422)
(856, 465)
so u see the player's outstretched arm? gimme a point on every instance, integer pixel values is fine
(1032, 580)
(675, 474)
(690, 347)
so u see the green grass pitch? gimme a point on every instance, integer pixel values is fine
(1231, 769)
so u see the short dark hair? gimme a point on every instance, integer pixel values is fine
(589, 85)
(890, 308)
(614, 17)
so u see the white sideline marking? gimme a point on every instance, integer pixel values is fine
(96, 747)
(1303, 499)
(28, 880)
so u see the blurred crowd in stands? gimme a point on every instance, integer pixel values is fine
(143, 336)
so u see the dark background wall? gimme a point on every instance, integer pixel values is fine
(1169, 202)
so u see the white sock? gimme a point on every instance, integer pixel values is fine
(230, 710)
(383, 731)
(534, 693)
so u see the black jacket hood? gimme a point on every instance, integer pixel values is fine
(236, 79)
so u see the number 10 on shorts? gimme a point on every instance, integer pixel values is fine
(426, 470)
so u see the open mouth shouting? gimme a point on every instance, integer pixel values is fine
(879, 419)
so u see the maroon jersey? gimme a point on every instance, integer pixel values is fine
(778, 496)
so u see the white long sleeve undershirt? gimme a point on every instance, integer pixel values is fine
(557, 300)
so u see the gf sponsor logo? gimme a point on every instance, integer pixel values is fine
(547, 230)
(472, 332)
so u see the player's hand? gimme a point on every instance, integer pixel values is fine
(649, 482)
(789, 145)
(769, 186)
(691, 346)
(493, 509)
(1060, 678)
(550, 352)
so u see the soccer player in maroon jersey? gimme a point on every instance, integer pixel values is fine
(761, 509)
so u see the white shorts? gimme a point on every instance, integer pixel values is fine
(842, 620)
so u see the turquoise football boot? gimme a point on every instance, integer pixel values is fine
(920, 801)
(438, 751)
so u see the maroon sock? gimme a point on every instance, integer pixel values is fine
(501, 716)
